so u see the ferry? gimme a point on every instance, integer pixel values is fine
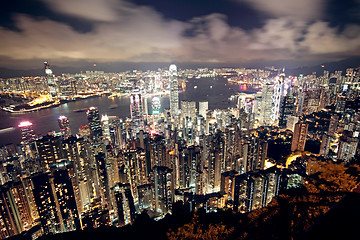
(80, 110)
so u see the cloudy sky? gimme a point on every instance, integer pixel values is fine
(68, 32)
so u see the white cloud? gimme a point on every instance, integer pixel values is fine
(140, 34)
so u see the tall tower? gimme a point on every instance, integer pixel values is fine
(278, 92)
(94, 122)
(163, 189)
(174, 91)
(50, 80)
(137, 110)
(27, 132)
(105, 125)
(267, 104)
(47, 205)
(64, 126)
(64, 193)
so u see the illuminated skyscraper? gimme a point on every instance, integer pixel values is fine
(124, 203)
(66, 199)
(174, 91)
(203, 107)
(94, 122)
(299, 136)
(278, 92)
(137, 110)
(188, 109)
(164, 189)
(287, 109)
(50, 80)
(156, 105)
(325, 145)
(267, 104)
(347, 149)
(64, 126)
(47, 205)
(50, 151)
(10, 221)
(27, 132)
(105, 126)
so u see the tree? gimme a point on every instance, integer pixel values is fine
(195, 230)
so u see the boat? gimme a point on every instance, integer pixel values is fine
(80, 110)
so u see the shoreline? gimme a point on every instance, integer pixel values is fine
(51, 105)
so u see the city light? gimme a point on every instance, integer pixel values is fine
(25, 124)
(257, 139)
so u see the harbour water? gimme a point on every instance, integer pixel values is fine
(214, 90)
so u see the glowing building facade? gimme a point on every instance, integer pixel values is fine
(27, 132)
(53, 90)
(64, 126)
(94, 122)
(174, 91)
(137, 107)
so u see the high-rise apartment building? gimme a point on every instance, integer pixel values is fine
(94, 122)
(53, 89)
(47, 205)
(164, 190)
(137, 107)
(174, 91)
(203, 107)
(267, 105)
(64, 193)
(299, 136)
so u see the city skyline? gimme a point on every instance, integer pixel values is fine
(226, 139)
(69, 33)
(230, 119)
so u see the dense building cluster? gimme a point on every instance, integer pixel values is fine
(113, 169)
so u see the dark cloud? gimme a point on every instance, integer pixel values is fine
(304, 9)
(125, 31)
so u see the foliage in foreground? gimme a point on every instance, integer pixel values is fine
(195, 230)
(289, 214)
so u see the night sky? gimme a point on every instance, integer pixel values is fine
(71, 32)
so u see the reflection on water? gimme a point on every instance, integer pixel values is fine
(214, 90)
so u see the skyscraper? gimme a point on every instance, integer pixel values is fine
(163, 189)
(203, 107)
(47, 205)
(66, 199)
(50, 151)
(124, 203)
(50, 80)
(105, 126)
(267, 104)
(156, 105)
(94, 122)
(299, 136)
(188, 109)
(64, 126)
(174, 91)
(27, 132)
(287, 109)
(10, 221)
(137, 110)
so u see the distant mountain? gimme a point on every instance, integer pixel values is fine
(290, 67)
(342, 65)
